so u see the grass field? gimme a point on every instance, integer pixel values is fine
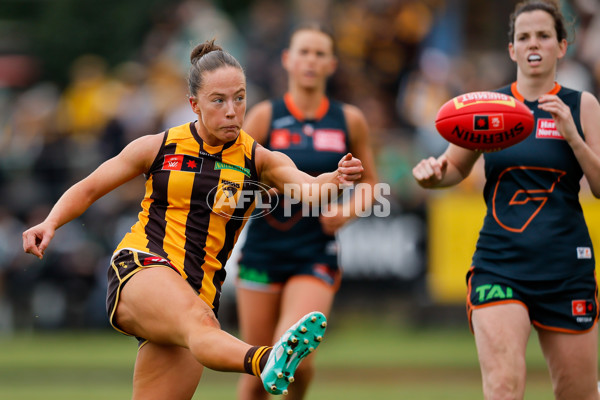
(370, 359)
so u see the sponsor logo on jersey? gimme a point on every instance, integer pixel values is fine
(296, 139)
(582, 307)
(584, 253)
(546, 129)
(325, 273)
(222, 165)
(490, 292)
(284, 139)
(182, 162)
(156, 260)
(280, 139)
(494, 122)
(329, 140)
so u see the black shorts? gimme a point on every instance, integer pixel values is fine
(271, 277)
(567, 305)
(123, 266)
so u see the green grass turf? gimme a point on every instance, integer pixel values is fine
(359, 359)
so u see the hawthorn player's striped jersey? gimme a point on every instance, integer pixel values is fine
(195, 206)
(534, 227)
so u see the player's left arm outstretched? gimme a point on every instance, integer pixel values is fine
(279, 171)
(587, 150)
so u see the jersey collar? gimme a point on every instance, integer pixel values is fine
(298, 114)
(519, 96)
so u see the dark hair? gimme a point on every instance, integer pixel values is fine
(208, 56)
(313, 26)
(549, 6)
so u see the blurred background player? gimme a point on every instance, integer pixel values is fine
(289, 262)
(534, 262)
(165, 277)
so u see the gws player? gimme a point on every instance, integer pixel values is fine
(534, 261)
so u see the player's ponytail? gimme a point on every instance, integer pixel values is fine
(207, 56)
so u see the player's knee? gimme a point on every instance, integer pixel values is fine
(566, 388)
(504, 390)
(503, 386)
(201, 318)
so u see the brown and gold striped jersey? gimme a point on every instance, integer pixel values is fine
(198, 198)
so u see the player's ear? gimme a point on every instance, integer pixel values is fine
(562, 48)
(511, 52)
(194, 103)
(332, 65)
(285, 56)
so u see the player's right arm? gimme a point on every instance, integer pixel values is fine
(135, 159)
(447, 170)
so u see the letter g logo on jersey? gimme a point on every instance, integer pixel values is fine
(528, 188)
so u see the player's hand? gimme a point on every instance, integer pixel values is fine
(349, 169)
(37, 238)
(429, 172)
(561, 113)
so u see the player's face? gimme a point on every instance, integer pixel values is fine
(220, 105)
(536, 48)
(309, 60)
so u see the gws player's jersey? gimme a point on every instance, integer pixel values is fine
(534, 227)
(184, 218)
(316, 146)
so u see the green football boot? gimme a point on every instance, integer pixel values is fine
(295, 344)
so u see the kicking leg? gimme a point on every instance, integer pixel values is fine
(159, 305)
(294, 345)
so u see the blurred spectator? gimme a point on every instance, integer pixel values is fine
(89, 99)
(424, 91)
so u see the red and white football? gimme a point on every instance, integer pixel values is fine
(484, 121)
